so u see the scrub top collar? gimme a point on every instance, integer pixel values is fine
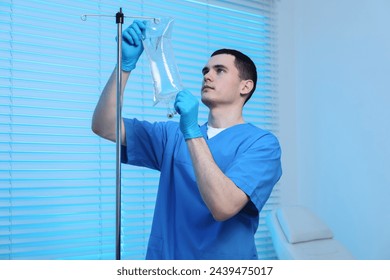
(204, 129)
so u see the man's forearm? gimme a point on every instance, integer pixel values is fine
(223, 198)
(104, 117)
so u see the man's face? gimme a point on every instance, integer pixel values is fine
(221, 82)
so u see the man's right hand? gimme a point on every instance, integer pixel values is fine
(132, 47)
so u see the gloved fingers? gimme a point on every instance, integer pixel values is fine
(181, 98)
(187, 105)
(127, 38)
(131, 37)
(134, 36)
(176, 105)
(183, 95)
(134, 33)
(185, 102)
(139, 28)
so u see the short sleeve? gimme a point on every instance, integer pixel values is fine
(145, 143)
(257, 169)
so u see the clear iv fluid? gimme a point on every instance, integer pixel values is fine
(165, 74)
(163, 85)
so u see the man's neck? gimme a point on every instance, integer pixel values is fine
(223, 117)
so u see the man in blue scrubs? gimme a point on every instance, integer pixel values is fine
(215, 178)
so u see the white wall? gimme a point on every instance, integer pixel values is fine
(335, 116)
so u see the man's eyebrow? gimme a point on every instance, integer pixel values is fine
(216, 66)
(219, 66)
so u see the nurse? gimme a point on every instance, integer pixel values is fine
(215, 178)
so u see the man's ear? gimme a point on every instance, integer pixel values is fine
(246, 87)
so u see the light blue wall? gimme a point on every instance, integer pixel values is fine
(335, 117)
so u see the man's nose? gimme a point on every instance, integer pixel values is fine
(207, 76)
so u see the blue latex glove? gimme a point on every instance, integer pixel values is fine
(187, 106)
(132, 47)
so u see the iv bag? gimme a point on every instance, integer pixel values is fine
(165, 74)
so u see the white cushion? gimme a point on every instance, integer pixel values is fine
(300, 225)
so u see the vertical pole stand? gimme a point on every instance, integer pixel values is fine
(119, 21)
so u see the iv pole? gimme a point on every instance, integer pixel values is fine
(119, 21)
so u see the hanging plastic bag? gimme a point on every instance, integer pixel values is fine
(165, 74)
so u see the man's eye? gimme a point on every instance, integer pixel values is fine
(220, 70)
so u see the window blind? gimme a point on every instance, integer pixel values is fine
(57, 179)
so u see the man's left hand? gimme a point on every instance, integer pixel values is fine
(187, 106)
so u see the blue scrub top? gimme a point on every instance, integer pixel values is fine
(183, 227)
